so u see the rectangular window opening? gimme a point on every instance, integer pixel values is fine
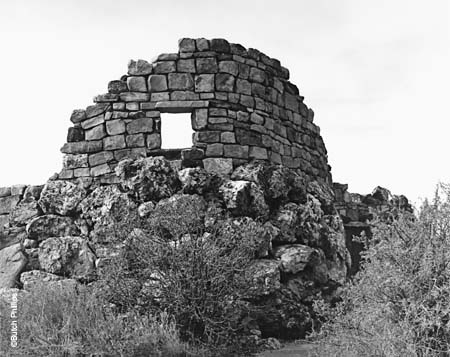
(176, 131)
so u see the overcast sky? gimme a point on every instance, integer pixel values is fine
(376, 73)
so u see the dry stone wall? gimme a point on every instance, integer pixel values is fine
(242, 107)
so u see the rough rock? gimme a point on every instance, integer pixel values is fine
(145, 209)
(198, 180)
(25, 211)
(263, 277)
(295, 257)
(8, 203)
(191, 208)
(11, 236)
(279, 183)
(149, 179)
(324, 193)
(47, 226)
(12, 262)
(286, 219)
(61, 197)
(244, 198)
(105, 208)
(67, 256)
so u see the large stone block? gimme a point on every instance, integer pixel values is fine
(157, 83)
(78, 115)
(136, 140)
(117, 87)
(257, 75)
(235, 151)
(204, 83)
(206, 65)
(199, 119)
(100, 158)
(230, 67)
(137, 84)
(141, 125)
(82, 147)
(181, 81)
(115, 127)
(164, 67)
(12, 262)
(75, 134)
(114, 142)
(8, 203)
(47, 226)
(100, 170)
(139, 68)
(5, 191)
(90, 123)
(186, 65)
(134, 97)
(258, 153)
(61, 197)
(68, 256)
(96, 133)
(225, 82)
(186, 45)
(96, 110)
(218, 165)
(220, 45)
(214, 150)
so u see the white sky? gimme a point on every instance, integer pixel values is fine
(376, 74)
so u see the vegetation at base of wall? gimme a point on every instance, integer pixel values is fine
(55, 321)
(173, 263)
(399, 303)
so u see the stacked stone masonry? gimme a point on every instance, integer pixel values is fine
(242, 107)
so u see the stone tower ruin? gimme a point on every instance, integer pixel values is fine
(242, 108)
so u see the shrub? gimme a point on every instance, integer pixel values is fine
(196, 275)
(399, 303)
(53, 321)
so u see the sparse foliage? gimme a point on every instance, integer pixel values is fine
(399, 303)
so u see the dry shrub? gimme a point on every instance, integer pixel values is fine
(399, 303)
(55, 321)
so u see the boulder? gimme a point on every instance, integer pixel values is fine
(295, 257)
(179, 214)
(263, 277)
(32, 278)
(69, 257)
(198, 180)
(145, 209)
(12, 236)
(105, 210)
(12, 262)
(244, 198)
(324, 193)
(279, 184)
(148, 179)
(50, 225)
(25, 211)
(61, 197)
(8, 203)
(286, 219)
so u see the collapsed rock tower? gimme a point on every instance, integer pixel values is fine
(242, 107)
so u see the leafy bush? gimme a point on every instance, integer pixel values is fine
(173, 263)
(399, 303)
(54, 321)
